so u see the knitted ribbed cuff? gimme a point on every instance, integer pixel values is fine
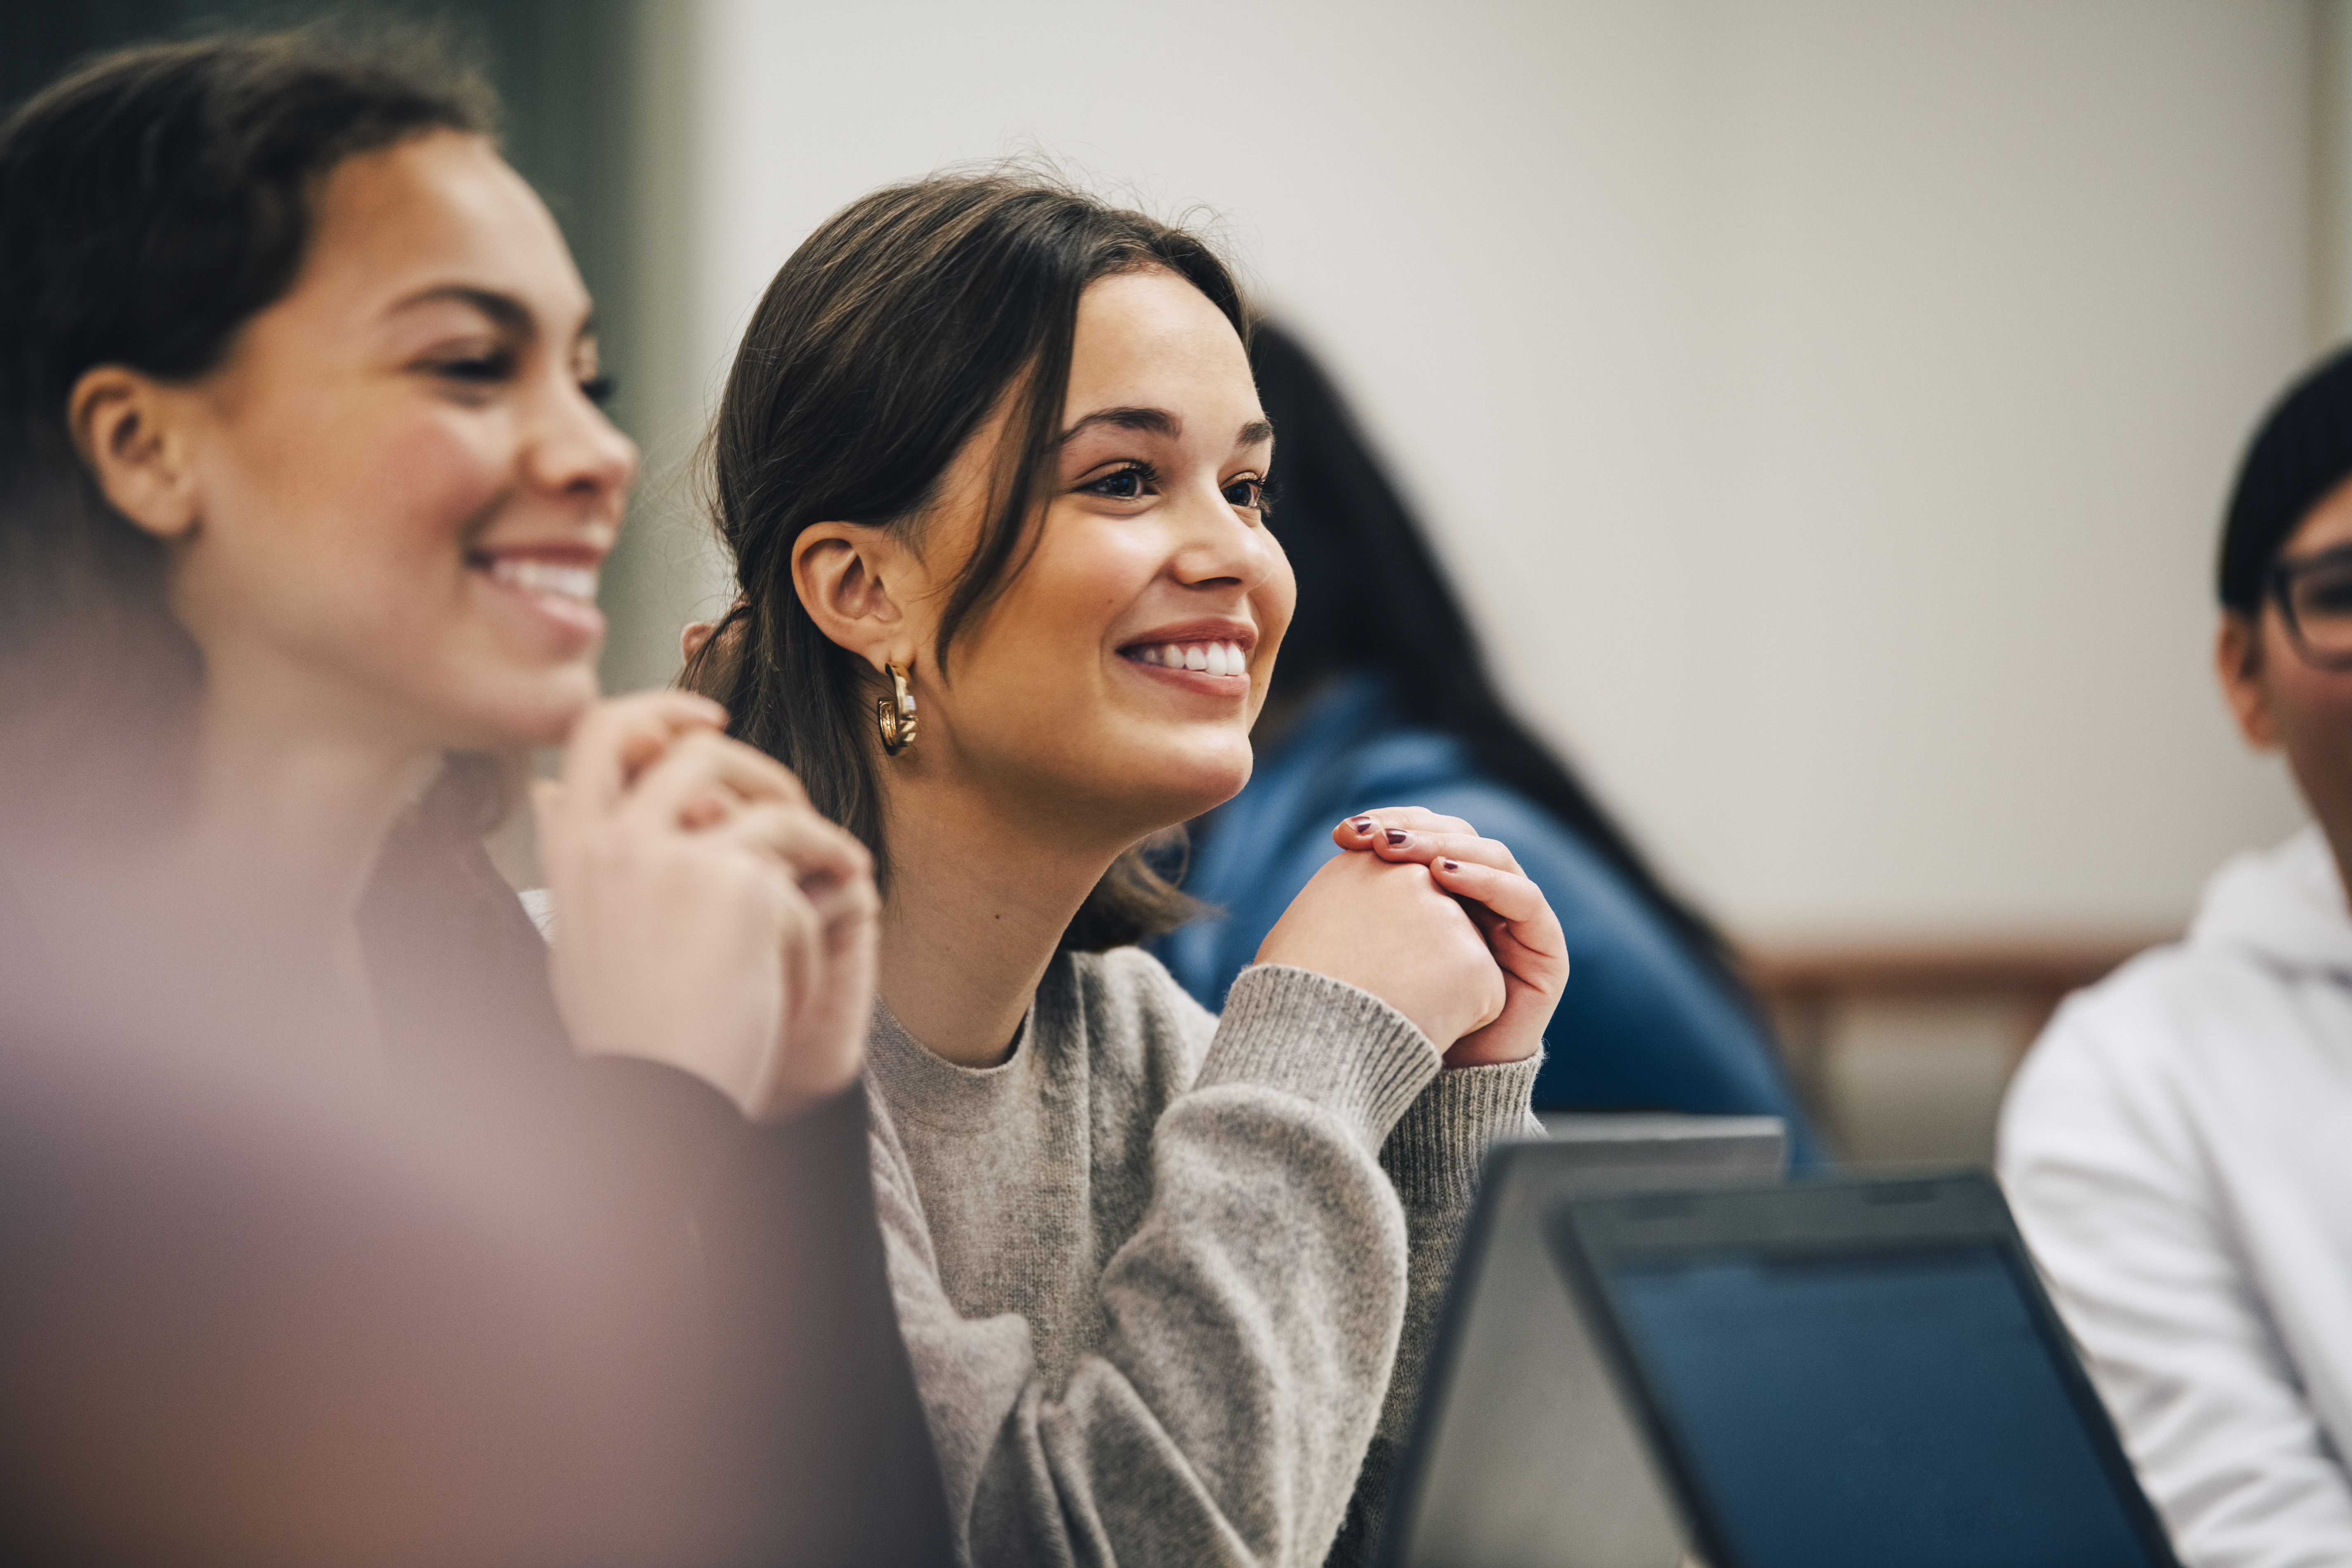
(1434, 1151)
(1323, 1040)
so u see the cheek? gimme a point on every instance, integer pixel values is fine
(436, 480)
(357, 494)
(2310, 710)
(1276, 600)
(1080, 582)
(348, 556)
(2314, 707)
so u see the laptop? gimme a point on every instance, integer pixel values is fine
(1854, 1373)
(1520, 1453)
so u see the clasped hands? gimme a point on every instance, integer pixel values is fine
(706, 915)
(1438, 922)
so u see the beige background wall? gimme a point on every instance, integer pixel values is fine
(1826, 406)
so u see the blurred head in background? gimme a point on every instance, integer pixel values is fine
(1374, 599)
(1383, 697)
(2284, 653)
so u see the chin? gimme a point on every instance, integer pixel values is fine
(1204, 781)
(527, 714)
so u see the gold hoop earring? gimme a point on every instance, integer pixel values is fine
(895, 715)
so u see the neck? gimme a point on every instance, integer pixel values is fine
(977, 905)
(291, 820)
(239, 917)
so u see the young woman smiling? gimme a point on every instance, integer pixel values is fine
(303, 492)
(994, 476)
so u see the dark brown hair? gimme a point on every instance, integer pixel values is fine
(884, 345)
(151, 203)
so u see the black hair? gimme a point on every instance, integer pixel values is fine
(885, 343)
(1372, 597)
(2299, 454)
(151, 202)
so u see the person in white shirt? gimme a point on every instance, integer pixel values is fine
(2178, 1146)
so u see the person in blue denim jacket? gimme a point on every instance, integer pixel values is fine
(1381, 697)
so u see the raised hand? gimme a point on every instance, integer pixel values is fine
(1510, 911)
(706, 916)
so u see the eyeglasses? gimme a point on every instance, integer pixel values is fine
(2315, 599)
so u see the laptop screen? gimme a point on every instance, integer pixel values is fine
(1897, 1405)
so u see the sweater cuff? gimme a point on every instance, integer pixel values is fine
(1434, 1154)
(1324, 1041)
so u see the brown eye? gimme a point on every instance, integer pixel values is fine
(1125, 484)
(480, 369)
(1247, 494)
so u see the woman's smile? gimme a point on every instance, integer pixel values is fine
(406, 480)
(551, 587)
(1112, 680)
(1211, 657)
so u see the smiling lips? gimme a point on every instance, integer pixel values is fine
(1201, 657)
(558, 579)
(553, 586)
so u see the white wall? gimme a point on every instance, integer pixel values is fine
(1826, 406)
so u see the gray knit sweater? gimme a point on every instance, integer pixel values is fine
(1155, 1270)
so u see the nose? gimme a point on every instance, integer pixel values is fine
(573, 451)
(1219, 545)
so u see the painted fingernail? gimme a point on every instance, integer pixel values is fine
(1450, 865)
(1398, 836)
(1363, 825)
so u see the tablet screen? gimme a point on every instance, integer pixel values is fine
(1895, 1406)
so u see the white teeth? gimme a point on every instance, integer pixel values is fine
(555, 577)
(1207, 658)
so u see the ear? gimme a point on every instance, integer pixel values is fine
(2238, 659)
(690, 641)
(856, 583)
(128, 427)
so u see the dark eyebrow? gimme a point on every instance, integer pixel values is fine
(1153, 421)
(504, 310)
(1159, 422)
(508, 312)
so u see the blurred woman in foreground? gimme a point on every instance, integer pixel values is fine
(1382, 695)
(304, 491)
